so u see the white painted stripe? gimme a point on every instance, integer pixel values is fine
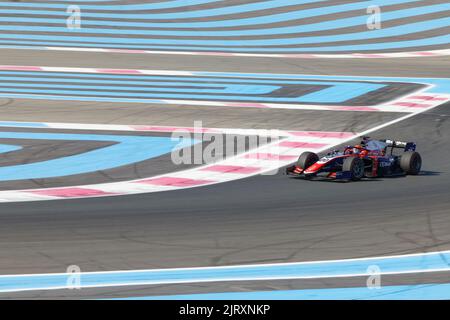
(157, 128)
(443, 52)
(246, 265)
(15, 196)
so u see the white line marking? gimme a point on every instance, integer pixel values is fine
(409, 54)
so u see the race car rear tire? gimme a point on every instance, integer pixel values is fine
(411, 163)
(307, 159)
(355, 166)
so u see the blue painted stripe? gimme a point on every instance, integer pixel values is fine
(431, 262)
(439, 85)
(146, 6)
(127, 150)
(237, 9)
(396, 31)
(320, 26)
(338, 92)
(220, 77)
(23, 124)
(157, 87)
(199, 77)
(288, 16)
(79, 98)
(4, 148)
(435, 291)
(210, 82)
(334, 92)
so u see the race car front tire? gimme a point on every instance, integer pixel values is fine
(411, 163)
(354, 165)
(307, 159)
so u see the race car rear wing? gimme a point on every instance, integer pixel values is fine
(407, 146)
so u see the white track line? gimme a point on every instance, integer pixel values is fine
(412, 54)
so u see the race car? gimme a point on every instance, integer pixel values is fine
(370, 159)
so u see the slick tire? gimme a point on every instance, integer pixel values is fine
(355, 166)
(307, 159)
(411, 163)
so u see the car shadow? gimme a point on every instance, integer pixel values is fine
(429, 173)
(324, 179)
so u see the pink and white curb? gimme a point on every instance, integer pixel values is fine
(410, 103)
(411, 54)
(418, 101)
(261, 160)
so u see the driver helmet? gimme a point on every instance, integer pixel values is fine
(365, 140)
(357, 149)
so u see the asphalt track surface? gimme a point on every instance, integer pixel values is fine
(262, 219)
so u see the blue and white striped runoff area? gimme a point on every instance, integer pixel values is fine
(270, 26)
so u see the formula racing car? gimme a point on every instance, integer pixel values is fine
(370, 159)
